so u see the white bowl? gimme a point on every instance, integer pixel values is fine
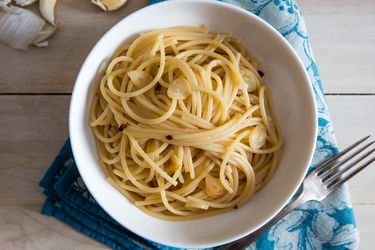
(294, 103)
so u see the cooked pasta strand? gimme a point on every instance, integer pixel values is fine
(184, 124)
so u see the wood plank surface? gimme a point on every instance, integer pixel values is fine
(54, 69)
(23, 227)
(342, 42)
(355, 118)
(36, 126)
(33, 128)
(365, 216)
(343, 39)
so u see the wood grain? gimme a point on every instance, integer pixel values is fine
(36, 126)
(365, 216)
(33, 128)
(355, 118)
(343, 40)
(53, 69)
(23, 227)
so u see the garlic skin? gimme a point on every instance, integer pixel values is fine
(109, 5)
(4, 4)
(24, 3)
(18, 26)
(47, 9)
(47, 31)
(41, 44)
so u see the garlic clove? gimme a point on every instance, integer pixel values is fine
(19, 27)
(179, 89)
(139, 77)
(196, 205)
(109, 5)
(44, 34)
(214, 188)
(47, 9)
(250, 81)
(258, 137)
(24, 3)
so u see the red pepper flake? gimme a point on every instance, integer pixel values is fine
(122, 127)
(169, 137)
(260, 73)
(158, 87)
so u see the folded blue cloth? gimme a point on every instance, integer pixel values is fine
(328, 224)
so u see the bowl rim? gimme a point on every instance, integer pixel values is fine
(76, 95)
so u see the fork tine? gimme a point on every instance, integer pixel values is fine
(329, 161)
(331, 181)
(336, 185)
(324, 173)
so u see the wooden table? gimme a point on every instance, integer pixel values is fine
(35, 87)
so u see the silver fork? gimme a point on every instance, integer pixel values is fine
(318, 184)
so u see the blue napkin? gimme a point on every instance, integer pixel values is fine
(328, 224)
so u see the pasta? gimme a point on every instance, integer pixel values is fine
(183, 123)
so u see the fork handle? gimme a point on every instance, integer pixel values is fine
(247, 240)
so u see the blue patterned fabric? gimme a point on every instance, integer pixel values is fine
(315, 225)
